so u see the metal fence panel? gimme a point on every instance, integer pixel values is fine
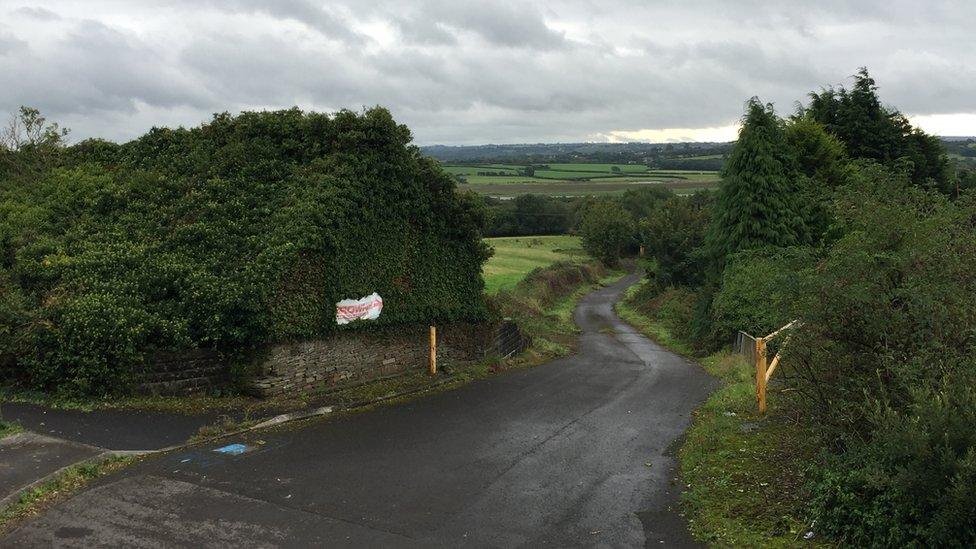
(745, 345)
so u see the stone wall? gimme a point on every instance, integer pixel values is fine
(348, 357)
(355, 357)
(183, 373)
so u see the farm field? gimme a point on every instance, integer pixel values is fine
(562, 179)
(515, 257)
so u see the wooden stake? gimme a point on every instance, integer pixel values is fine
(761, 374)
(641, 251)
(433, 350)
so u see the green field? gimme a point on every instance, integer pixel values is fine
(516, 256)
(564, 179)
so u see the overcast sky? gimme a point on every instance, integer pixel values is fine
(482, 72)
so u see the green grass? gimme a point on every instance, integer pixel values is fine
(583, 179)
(605, 168)
(743, 474)
(7, 428)
(515, 257)
(650, 327)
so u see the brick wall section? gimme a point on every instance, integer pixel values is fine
(342, 359)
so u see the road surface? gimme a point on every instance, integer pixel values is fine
(575, 452)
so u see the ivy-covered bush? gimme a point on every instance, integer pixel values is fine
(245, 230)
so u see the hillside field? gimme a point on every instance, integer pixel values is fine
(567, 179)
(515, 257)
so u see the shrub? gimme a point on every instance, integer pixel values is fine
(759, 292)
(607, 229)
(882, 366)
(914, 482)
(673, 234)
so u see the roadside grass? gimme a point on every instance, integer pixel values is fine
(7, 428)
(183, 405)
(33, 502)
(650, 327)
(744, 475)
(515, 257)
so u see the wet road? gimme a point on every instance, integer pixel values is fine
(575, 452)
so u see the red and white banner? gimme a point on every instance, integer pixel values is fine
(367, 308)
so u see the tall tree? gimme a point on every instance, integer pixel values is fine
(870, 130)
(757, 203)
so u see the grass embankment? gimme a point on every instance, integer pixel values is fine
(7, 428)
(516, 257)
(32, 502)
(743, 474)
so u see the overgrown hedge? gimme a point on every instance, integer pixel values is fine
(244, 230)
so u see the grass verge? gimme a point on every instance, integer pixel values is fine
(36, 500)
(744, 475)
(7, 428)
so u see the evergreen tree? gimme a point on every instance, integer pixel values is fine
(757, 203)
(871, 131)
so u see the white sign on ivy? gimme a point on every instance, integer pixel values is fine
(366, 308)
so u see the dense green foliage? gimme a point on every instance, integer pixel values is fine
(758, 202)
(871, 131)
(673, 234)
(530, 214)
(846, 218)
(607, 229)
(883, 365)
(244, 230)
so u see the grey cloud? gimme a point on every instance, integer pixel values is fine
(317, 15)
(40, 14)
(487, 72)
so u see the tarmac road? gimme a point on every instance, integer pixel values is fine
(575, 452)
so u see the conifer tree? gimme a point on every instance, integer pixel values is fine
(757, 203)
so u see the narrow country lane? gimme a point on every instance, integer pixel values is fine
(576, 452)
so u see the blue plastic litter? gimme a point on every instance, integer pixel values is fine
(232, 449)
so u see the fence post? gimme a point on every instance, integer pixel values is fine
(761, 374)
(433, 350)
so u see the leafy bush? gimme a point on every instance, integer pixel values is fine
(758, 292)
(890, 308)
(242, 231)
(882, 366)
(607, 229)
(914, 482)
(673, 233)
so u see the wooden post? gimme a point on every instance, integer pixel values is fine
(641, 254)
(433, 350)
(761, 374)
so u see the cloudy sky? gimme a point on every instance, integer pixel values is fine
(462, 72)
